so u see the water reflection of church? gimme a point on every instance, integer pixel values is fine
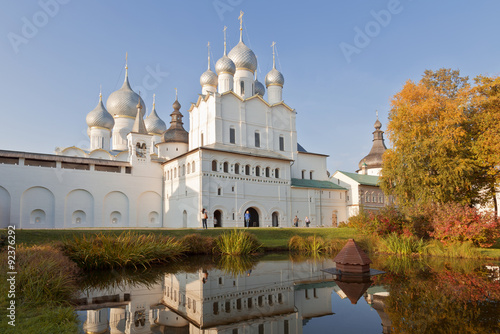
(273, 297)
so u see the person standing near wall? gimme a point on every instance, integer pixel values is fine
(204, 217)
(247, 219)
(296, 221)
(307, 221)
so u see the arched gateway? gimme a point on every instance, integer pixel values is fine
(254, 217)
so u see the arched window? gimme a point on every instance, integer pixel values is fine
(257, 171)
(268, 171)
(183, 170)
(219, 191)
(175, 172)
(214, 165)
(237, 169)
(193, 168)
(201, 139)
(247, 170)
(168, 175)
(277, 173)
(367, 197)
(282, 143)
(303, 174)
(310, 175)
(226, 167)
(242, 87)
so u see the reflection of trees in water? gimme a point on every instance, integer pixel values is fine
(434, 296)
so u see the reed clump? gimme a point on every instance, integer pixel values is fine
(198, 244)
(401, 244)
(315, 245)
(465, 250)
(101, 251)
(45, 274)
(236, 242)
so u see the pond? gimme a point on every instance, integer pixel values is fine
(280, 294)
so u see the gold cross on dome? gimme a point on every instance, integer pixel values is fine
(241, 18)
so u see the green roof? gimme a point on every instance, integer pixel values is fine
(302, 183)
(367, 180)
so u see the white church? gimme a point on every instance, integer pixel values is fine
(241, 154)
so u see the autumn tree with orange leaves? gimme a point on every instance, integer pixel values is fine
(441, 146)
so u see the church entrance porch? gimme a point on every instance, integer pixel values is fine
(217, 218)
(254, 217)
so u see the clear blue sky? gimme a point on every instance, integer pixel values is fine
(51, 75)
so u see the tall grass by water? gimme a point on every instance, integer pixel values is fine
(102, 251)
(46, 281)
(465, 250)
(237, 242)
(401, 244)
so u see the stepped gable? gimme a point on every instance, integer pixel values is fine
(352, 259)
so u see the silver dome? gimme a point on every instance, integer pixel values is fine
(209, 78)
(100, 117)
(123, 102)
(259, 88)
(243, 57)
(154, 124)
(225, 65)
(274, 77)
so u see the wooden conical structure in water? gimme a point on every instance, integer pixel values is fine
(352, 259)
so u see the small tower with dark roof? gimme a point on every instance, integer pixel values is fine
(372, 163)
(176, 139)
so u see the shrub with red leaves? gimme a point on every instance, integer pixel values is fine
(453, 222)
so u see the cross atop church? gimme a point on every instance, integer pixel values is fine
(241, 25)
(273, 45)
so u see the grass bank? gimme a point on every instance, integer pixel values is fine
(271, 238)
(45, 281)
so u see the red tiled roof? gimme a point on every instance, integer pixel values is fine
(352, 254)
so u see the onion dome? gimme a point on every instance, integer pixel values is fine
(259, 87)
(209, 78)
(374, 158)
(243, 57)
(123, 101)
(100, 117)
(176, 132)
(225, 65)
(274, 77)
(154, 124)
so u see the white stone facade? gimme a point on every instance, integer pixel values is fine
(240, 154)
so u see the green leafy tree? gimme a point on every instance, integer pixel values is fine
(486, 132)
(432, 158)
